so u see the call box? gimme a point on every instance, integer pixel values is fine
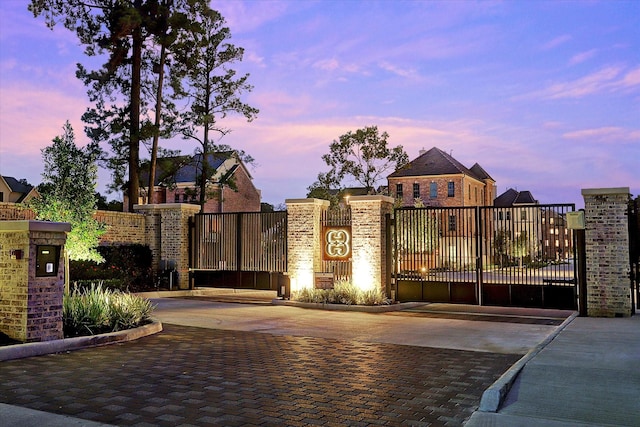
(47, 260)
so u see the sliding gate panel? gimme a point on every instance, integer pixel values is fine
(435, 254)
(515, 256)
(239, 250)
(529, 256)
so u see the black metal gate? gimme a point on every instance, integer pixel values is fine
(634, 251)
(515, 256)
(239, 250)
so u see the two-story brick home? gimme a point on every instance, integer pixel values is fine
(229, 189)
(439, 180)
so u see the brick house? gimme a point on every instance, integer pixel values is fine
(230, 187)
(14, 191)
(439, 180)
(518, 212)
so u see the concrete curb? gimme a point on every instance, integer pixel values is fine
(203, 292)
(20, 351)
(493, 397)
(345, 307)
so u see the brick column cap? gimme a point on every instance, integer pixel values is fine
(319, 202)
(603, 191)
(370, 198)
(33, 225)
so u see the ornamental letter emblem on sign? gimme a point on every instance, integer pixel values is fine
(337, 243)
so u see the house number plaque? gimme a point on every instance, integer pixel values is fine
(336, 243)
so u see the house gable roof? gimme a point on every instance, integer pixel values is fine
(222, 163)
(16, 186)
(513, 197)
(437, 162)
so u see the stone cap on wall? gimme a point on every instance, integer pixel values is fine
(603, 191)
(307, 201)
(168, 206)
(371, 198)
(33, 225)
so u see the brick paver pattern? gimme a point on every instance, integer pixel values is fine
(193, 376)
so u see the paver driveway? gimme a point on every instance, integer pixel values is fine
(201, 376)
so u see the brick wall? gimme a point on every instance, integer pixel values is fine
(13, 211)
(607, 252)
(122, 228)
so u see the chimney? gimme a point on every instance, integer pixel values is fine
(422, 151)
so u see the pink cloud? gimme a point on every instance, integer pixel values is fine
(612, 134)
(557, 41)
(582, 57)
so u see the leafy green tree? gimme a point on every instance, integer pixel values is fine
(203, 76)
(521, 247)
(117, 29)
(363, 157)
(501, 246)
(67, 194)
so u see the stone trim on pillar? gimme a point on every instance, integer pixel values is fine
(31, 297)
(368, 234)
(168, 235)
(303, 240)
(607, 252)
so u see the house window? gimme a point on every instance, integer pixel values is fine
(508, 216)
(523, 215)
(399, 191)
(451, 189)
(416, 190)
(433, 190)
(469, 191)
(500, 218)
(1, 196)
(476, 191)
(176, 198)
(452, 223)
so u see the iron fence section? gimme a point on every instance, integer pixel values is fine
(248, 241)
(521, 255)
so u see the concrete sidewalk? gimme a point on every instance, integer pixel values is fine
(589, 375)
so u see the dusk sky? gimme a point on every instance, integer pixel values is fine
(544, 95)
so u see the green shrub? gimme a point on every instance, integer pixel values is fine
(97, 310)
(343, 292)
(126, 267)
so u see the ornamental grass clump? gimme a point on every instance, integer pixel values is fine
(343, 292)
(96, 310)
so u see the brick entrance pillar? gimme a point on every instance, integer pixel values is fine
(303, 240)
(368, 230)
(607, 252)
(32, 279)
(167, 228)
